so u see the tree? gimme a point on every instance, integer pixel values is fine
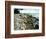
(17, 11)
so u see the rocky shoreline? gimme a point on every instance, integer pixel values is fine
(25, 22)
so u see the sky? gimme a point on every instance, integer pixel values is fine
(29, 11)
(33, 12)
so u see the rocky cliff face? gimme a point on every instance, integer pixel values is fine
(25, 22)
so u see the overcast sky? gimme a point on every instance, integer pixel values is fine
(29, 11)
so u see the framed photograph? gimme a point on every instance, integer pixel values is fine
(24, 19)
